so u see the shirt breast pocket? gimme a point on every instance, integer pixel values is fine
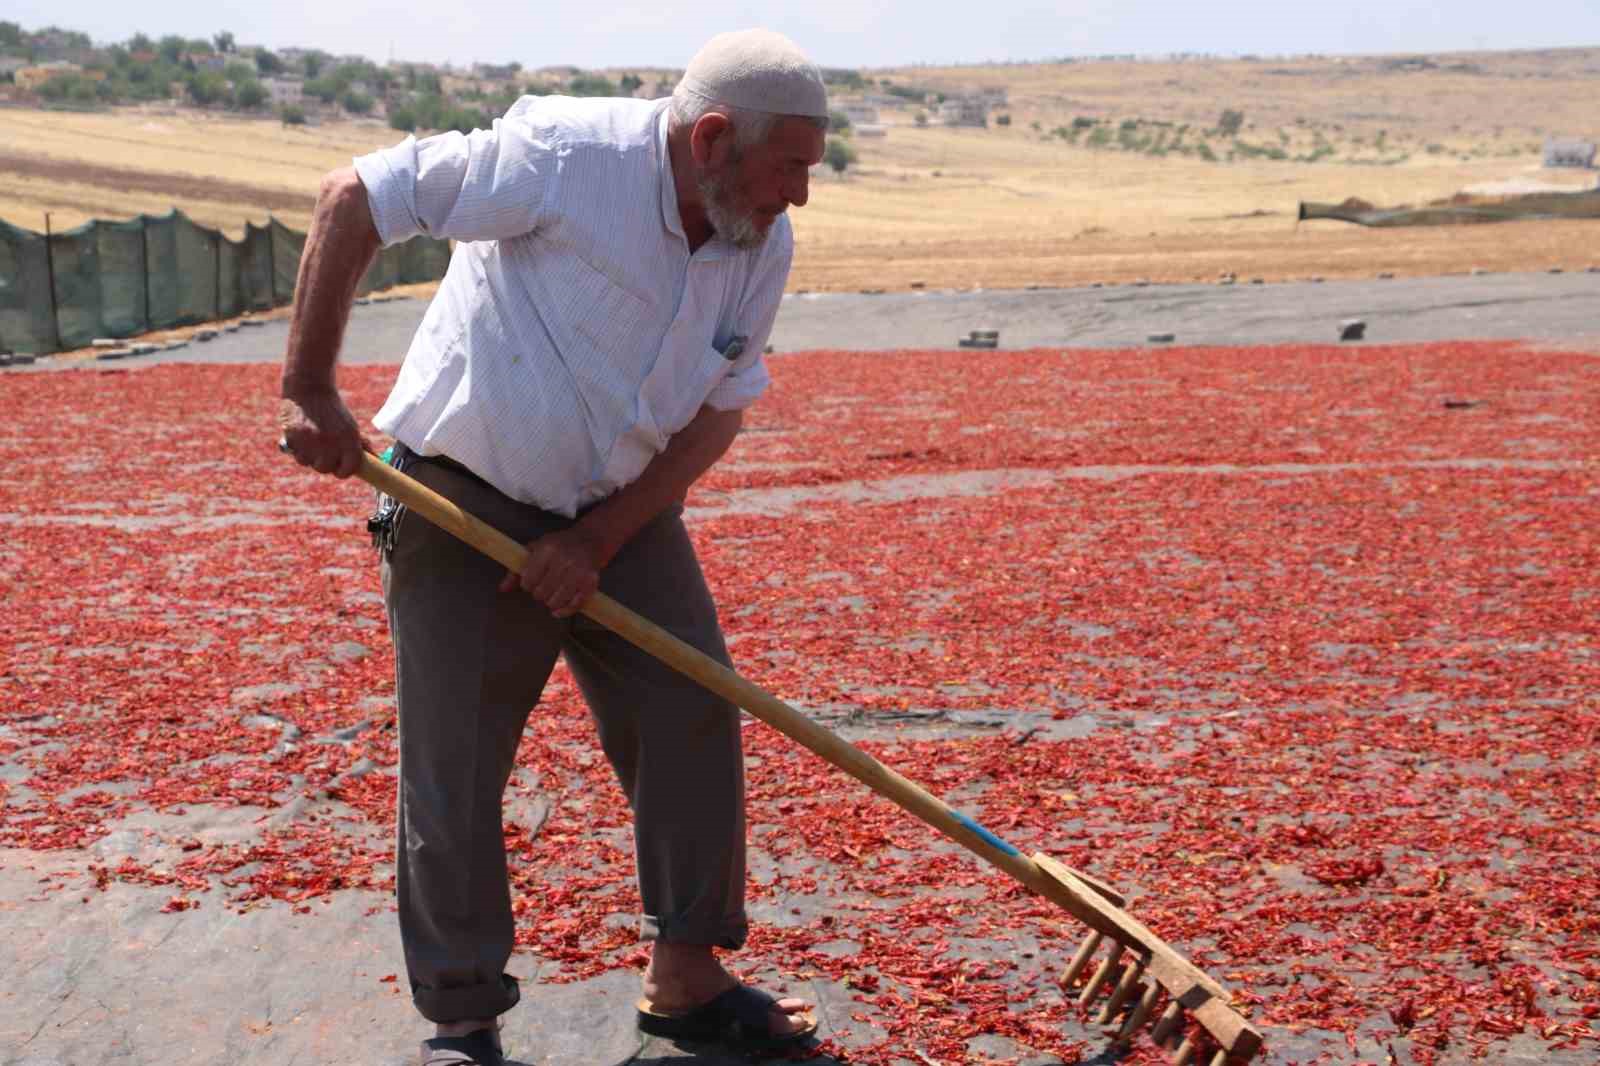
(676, 395)
(603, 315)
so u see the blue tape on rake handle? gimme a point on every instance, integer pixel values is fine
(988, 837)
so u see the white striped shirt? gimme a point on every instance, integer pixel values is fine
(573, 333)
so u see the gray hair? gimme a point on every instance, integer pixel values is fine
(750, 128)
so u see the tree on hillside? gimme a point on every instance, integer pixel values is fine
(207, 87)
(838, 122)
(325, 89)
(67, 88)
(249, 95)
(171, 48)
(140, 42)
(838, 154)
(630, 84)
(290, 115)
(238, 71)
(10, 35)
(267, 62)
(591, 85)
(223, 42)
(356, 103)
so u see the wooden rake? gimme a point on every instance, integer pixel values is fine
(1141, 970)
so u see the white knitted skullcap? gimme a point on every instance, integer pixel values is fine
(758, 70)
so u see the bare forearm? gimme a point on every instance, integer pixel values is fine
(339, 248)
(666, 481)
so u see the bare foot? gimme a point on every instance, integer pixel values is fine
(681, 977)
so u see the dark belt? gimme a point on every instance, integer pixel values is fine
(405, 456)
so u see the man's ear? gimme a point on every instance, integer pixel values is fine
(711, 139)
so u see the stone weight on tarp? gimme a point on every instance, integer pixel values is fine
(1352, 329)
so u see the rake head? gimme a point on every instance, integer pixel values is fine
(1198, 1024)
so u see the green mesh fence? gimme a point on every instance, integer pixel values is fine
(118, 279)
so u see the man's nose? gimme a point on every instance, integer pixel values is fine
(798, 190)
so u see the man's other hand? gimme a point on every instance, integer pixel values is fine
(319, 431)
(562, 570)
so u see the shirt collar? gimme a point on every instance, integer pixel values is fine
(716, 247)
(669, 188)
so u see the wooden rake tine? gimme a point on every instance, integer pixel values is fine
(1092, 902)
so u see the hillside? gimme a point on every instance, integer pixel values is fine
(1125, 192)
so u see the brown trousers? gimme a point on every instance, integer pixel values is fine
(471, 663)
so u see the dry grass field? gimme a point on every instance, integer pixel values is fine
(1011, 205)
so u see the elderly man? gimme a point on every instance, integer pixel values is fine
(588, 357)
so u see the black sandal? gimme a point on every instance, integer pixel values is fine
(741, 1012)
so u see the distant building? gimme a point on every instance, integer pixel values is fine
(207, 60)
(12, 64)
(285, 92)
(859, 114)
(1565, 153)
(964, 111)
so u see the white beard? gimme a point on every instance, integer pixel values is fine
(738, 229)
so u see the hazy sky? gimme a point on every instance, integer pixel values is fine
(836, 32)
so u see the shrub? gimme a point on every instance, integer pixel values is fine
(325, 89)
(403, 119)
(356, 103)
(207, 87)
(591, 85)
(1230, 122)
(838, 122)
(1084, 122)
(291, 115)
(1002, 120)
(249, 94)
(838, 154)
(850, 79)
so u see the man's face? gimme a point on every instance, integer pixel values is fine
(746, 194)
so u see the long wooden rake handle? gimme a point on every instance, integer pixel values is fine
(734, 688)
(1095, 904)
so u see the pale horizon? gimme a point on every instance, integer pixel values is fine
(838, 34)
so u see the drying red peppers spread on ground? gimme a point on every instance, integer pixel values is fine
(1297, 646)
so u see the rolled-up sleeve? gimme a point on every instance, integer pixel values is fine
(748, 378)
(485, 185)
